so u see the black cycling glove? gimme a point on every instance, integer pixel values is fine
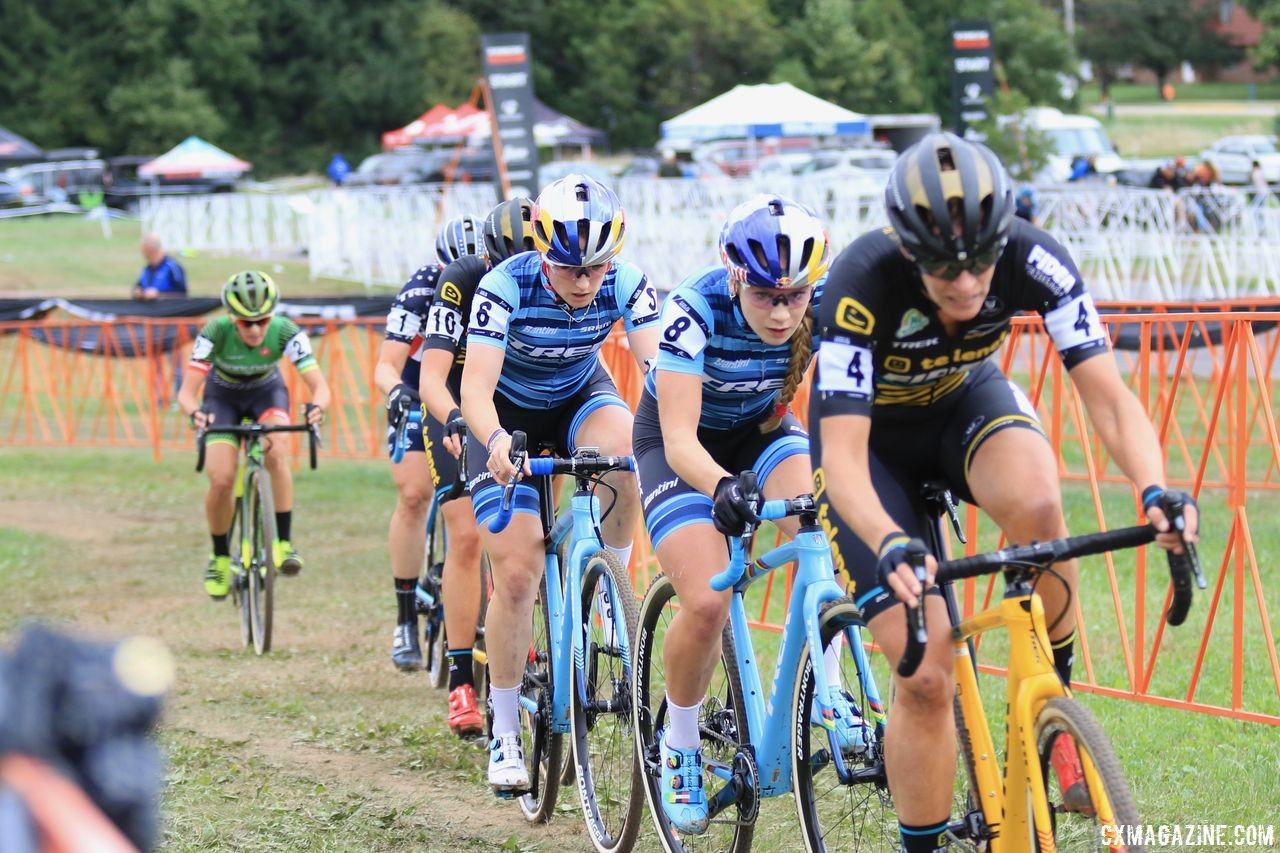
(732, 508)
(455, 426)
(1170, 501)
(400, 402)
(894, 550)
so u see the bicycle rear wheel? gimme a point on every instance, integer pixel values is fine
(262, 571)
(604, 757)
(1106, 793)
(435, 646)
(546, 747)
(835, 815)
(722, 721)
(479, 652)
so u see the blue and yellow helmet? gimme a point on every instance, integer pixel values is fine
(578, 221)
(772, 241)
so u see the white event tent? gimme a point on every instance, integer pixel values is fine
(764, 110)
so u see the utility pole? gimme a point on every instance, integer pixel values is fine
(1069, 17)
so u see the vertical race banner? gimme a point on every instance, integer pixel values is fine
(973, 71)
(508, 68)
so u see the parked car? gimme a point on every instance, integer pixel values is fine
(61, 180)
(785, 165)
(10, 195)
(417, 166)
(557, 169)
(1234, 157)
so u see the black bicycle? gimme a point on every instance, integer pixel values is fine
(253, 526)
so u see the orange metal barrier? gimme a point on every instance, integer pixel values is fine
(1212, 407)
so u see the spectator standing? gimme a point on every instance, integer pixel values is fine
(1258, 181)
(162, 277)
(1026, 207)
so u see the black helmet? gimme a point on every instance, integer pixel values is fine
(943, 181)
(508, 230)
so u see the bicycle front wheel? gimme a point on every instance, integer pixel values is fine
(722, 723)
(241, 540)
(603, 754)
(856, 813)
(262, 572)
(1102, 797)
(435, 646)
(546, 747)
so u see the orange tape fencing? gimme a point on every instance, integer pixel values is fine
(1211, 404)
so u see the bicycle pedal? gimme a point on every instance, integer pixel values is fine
(509, 795)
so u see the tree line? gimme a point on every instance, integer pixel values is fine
(287, 83)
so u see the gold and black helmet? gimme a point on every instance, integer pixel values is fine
(508, 230)
(949, 200)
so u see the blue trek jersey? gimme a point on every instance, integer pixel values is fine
(407, 319)
(704, 334)
(165, 277)
(552, 351)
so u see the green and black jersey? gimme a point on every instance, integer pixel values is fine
(220, 349)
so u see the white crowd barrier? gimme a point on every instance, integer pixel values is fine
(1130, 244)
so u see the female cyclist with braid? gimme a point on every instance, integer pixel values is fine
(735, 344)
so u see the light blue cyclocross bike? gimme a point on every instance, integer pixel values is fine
(755, 748)
(577, 678)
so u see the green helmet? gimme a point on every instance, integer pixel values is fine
(250, 294)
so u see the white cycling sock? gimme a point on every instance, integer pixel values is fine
(505, 702)
(623, 554)
(831, 657)
(682, 730)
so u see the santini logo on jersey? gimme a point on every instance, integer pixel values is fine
(1049, 271)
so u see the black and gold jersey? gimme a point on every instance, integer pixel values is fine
(883, 345)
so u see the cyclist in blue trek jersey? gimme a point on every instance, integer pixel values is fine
(538, 321)
(507, 230)
(736, 340)
(905, 392)
(396, 375)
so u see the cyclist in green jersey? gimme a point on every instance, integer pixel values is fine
(234, 367)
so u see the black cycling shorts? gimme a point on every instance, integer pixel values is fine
(668, 501)
(231, 403)
(553, 429)
(909, 448)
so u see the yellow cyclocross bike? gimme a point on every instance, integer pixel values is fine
(1021, 806)
(253, 526)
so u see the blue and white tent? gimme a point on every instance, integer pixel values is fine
(767, 109)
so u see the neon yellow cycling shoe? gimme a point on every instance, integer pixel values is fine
(287, 558)
(217, 577)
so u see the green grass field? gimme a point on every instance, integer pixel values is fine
(1133, 93)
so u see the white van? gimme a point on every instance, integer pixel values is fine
(1073, 136)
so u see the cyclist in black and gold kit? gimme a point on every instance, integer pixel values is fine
(234, 363)
(506, 231)
(905, 393)
(397, 375)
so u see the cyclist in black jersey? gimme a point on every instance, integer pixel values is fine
(397, 376)
(234, 374)
(506, 231)
(904, 393)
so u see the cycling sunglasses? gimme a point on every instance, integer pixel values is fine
(764, 297)
(950, 270)
(579, 271)
(247, 324)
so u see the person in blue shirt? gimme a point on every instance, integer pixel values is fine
(537, 323)
(162, 276)
(338, 169)
(736, 341)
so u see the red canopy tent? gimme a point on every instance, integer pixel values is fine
(438, 124)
